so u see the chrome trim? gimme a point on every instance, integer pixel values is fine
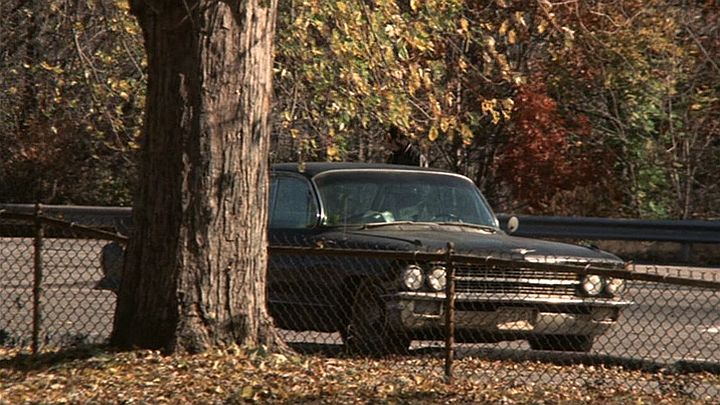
(519, 298)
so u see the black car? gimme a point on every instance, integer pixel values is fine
(380, 305)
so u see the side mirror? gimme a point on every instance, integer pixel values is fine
(513, 224)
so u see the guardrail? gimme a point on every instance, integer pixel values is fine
(680, 231)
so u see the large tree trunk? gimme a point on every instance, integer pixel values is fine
(194, 276)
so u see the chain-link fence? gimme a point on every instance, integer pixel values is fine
(551, 310)
(434, 306)
(49, 275)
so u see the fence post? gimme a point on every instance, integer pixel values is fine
(449, 314)
(37, 280)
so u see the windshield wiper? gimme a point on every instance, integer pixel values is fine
(379, 224)
(488, 228)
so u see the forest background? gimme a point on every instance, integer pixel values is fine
(592, 108)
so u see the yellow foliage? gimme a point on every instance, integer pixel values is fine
(504, 27)
(331, 151)
(489, 107)
(427, 80)
(433, 134)
(122, 5)
(434, 105)
(490, 41)
(444, 124)
(542, 26)
(466, 134)
(50, 68)
(449, 99)
(414, 79)
(464, 25)
(462, 65)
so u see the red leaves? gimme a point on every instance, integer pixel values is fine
(548, 151)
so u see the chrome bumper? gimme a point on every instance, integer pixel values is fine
(523, 314)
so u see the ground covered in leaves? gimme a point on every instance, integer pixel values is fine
(232, 376)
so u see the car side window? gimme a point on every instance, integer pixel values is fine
(292, 203)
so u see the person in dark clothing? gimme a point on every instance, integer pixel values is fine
(403, 151)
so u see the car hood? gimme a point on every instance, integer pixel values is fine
(466, 240)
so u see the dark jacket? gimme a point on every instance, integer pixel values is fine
(409, 155)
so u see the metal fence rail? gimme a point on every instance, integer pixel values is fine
(56, 294)
(681, 231)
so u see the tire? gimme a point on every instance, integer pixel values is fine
(369, 331)
(564, 343)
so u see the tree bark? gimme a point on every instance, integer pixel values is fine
(194, 276)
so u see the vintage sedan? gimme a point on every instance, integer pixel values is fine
(379, 304)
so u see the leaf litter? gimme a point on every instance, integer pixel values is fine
(235, 376)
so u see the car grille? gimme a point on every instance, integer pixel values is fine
(496, 280)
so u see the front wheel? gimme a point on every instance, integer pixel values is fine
(369, 331)
(564, 343)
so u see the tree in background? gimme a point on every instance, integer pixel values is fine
(693, 111)
(550, 159)
(347, 69)
(645, 75)
(194, 275)
(449, 73)
(72, 86)
(635, 82)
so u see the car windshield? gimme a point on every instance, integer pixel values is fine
(383, 196)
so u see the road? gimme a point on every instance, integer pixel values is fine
(72, 310)
(666, 323)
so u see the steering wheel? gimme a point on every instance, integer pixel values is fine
(446, 218)
(371, 216)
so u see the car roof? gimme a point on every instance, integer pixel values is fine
(311, 169)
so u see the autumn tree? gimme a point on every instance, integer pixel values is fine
(445, 71)
(347, 69)
(195, 269)
(72, 88)
(549, 155)
(645, 73)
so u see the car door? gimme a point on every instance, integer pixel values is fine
(298, 295)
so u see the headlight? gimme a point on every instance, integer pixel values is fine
(412, 277)
(436, 278)
(592, 284)
(615, 285)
